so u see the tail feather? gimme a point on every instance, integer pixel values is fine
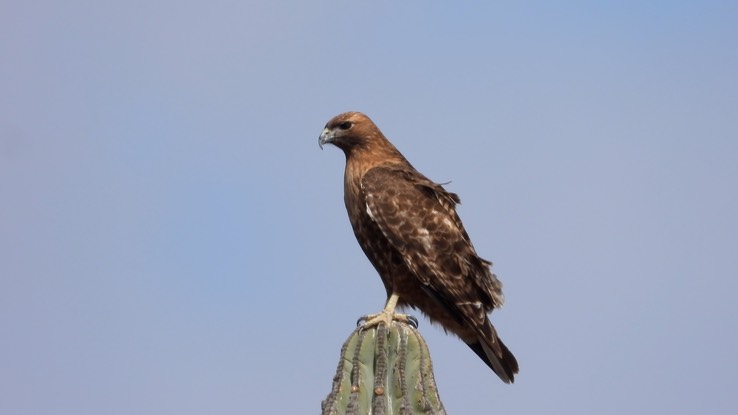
(495, 354)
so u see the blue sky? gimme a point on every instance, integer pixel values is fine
(172, 240)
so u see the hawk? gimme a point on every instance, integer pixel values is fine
(408, 228)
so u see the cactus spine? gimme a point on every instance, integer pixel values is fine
(384, 371)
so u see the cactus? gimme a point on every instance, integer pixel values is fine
(384, 372)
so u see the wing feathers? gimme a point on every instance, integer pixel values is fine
(418, 217)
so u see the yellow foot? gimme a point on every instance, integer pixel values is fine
(385, 318)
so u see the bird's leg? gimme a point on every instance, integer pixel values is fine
(387, 315)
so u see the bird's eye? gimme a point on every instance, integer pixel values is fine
(344, 125)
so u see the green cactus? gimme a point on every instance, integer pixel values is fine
(384, 372)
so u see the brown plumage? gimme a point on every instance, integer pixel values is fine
(408, 228)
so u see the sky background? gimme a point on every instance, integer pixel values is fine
(172, 239)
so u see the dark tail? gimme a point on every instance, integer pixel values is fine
(495, 354)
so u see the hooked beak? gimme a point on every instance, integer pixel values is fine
(326, 137)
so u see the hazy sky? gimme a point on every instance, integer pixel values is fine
(173, 241)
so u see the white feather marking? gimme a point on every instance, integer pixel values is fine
(425, 238)
(369, 212)
(448, 222)
(475, 304)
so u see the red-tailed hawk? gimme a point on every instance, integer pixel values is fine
(408, 228)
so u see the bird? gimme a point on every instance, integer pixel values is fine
(408, 228)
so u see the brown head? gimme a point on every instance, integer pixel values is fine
(357, 135)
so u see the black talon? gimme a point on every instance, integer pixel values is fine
(412, 321)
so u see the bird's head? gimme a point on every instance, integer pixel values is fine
(350, 131)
